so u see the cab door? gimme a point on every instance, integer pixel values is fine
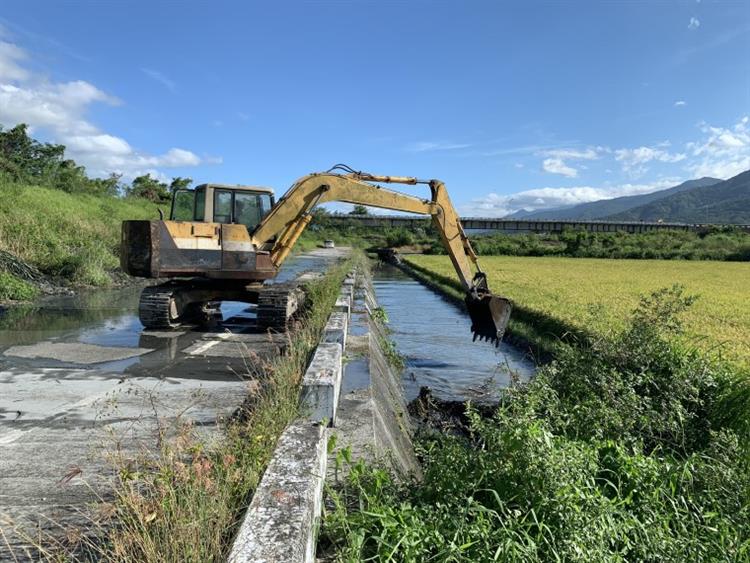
(231, 209)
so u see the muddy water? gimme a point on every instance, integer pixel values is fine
(436, 340)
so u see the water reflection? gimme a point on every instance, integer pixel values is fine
(109, 318)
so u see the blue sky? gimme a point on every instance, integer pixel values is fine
(513, 105)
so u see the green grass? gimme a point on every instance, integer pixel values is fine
(74, 237)
(13, 288)
(554, 295)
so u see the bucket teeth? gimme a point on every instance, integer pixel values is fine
(489, 316)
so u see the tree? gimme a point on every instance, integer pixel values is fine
(359, 210)
(149, 188)
(26, 158)
(179, 183)
(109, 185)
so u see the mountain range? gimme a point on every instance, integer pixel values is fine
(705, 200)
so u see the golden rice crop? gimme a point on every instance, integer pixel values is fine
(595, 294)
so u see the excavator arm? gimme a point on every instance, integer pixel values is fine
(281, 228)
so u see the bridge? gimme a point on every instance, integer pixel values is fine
(522, 226)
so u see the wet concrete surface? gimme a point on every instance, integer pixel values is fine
(80, 378)
(435, 338)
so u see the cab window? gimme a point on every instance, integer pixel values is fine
(182, 205)
(247, 209)
(266, 202)
(222, 206)
(200, 204)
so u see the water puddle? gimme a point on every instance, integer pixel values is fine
(109, 319)
(435, 338)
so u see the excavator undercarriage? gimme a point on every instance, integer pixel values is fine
(223, 242)
(178, 302)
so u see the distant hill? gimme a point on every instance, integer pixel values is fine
(608, 207)
(725, 202)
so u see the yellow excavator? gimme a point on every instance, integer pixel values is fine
(222, 242)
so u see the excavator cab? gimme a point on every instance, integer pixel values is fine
(207, 235)
(219, 203)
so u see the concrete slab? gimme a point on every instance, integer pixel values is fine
(168, 334)
(371, 418)
(227, 348)
(75, 352)
(321, 384)
(343, 305)
(336, 328)
(283, 518)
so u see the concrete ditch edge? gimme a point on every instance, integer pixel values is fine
(349, 385)
(282, 521)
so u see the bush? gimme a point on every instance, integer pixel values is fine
(719, 244)
(399, 237)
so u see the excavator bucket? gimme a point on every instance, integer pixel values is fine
(489, 315)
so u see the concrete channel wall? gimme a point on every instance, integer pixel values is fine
(349, 391)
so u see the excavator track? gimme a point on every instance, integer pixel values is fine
(157, 307)
(278, 303)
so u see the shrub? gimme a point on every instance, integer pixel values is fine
(399, 237)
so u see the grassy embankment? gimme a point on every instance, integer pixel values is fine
(72, 238)
(183, 502)
(558, 295)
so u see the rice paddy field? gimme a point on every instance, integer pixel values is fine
(598, 294)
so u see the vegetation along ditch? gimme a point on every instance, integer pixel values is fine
(629, 444)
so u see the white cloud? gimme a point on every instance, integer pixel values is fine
(60, 109)
(160, 78)
(10, 57)
(589, 153)
(694, 23)
(425, 146)
(723, 152)
(98, 143)
(558, 166)
(175, 158)
(494, 205)
(555, 163)
(680, 103)
(633, 160)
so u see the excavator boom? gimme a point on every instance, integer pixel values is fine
(489, 313)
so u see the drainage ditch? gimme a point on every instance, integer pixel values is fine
(434, 337)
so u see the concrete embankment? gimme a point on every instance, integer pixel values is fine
(349, 392)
